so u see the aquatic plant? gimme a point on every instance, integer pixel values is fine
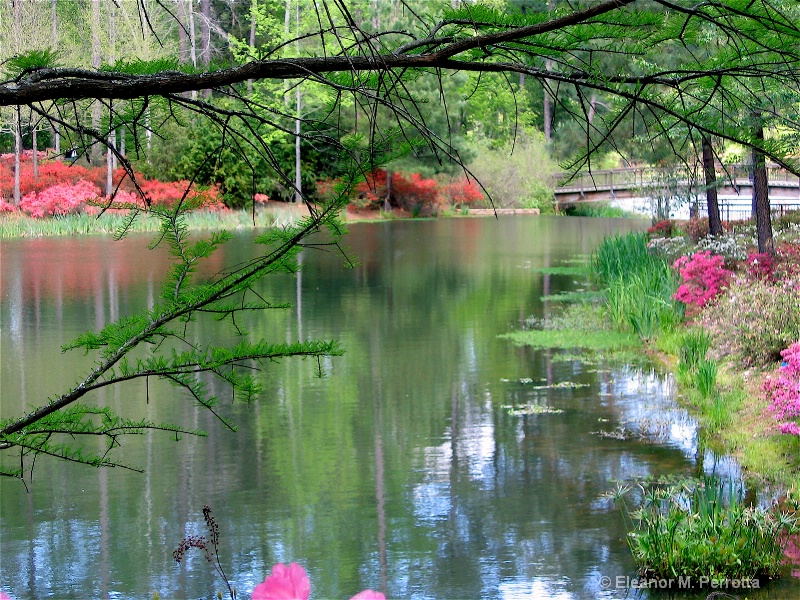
(706, 378)
(695, 343)
(208, 545)
(704, 530)
(639, 285)
(621, 254)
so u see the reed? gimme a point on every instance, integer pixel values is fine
(108, 223)
(638, 286)
(706, 378)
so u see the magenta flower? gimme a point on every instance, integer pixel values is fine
(292, 583)
(285, 583)
(368, 595)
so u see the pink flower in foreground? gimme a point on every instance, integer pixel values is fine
(292, 583)
(285, 583)
(368, 595)
(4, 596)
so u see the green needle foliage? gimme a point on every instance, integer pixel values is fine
(157, 343)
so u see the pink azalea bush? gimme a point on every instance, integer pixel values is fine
(703, 278)
(59, 199)
(292, 583)
(784, 391)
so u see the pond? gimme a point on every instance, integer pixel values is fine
(402, 469)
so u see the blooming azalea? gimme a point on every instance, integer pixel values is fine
(285, 583)
(292, 583)
(369, 595)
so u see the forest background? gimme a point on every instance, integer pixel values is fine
(497, 125)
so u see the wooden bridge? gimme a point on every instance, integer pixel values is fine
(644, 184)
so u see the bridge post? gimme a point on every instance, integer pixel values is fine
(611, 185)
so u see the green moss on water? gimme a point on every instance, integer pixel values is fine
(576, 296)
(576, 271)
(573, 338)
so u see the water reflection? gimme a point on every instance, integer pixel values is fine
(402, 470)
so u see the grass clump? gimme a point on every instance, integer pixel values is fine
(17, 225)
(704, 529)
(638, 286)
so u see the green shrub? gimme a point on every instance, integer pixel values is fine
(508, 175)
(597, 209)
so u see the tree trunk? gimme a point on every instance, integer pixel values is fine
(56, 135)
(252, 40)
(192, 41)
(183, 38)
(112, 142)
(54, 25)
(35, 148)
(387, 202)
(298, 182)
(761, 195)
(205, 32)
(205, 35)
(592, 109)
(547, 110)
(17, 154)
(95, 152)
(714, 220)
(546, 114)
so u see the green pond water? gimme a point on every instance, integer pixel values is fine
(403, 469)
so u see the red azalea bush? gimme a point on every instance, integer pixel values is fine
(760, 265)
(409, 192)
(704, 278)
(696, 229)
(61, 188)
(663, 229)
(784, 391)
(414, 190)
(463, 191)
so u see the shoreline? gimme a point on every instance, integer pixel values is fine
(16, 225)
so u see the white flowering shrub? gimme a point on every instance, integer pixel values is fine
(732, 247)
(671, 248)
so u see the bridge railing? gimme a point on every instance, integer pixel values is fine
(630, 178)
